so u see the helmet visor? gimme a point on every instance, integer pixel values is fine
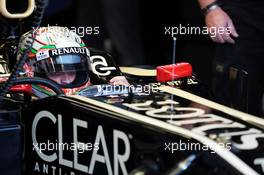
(69, 70)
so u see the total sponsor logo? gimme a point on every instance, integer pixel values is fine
(114, 167)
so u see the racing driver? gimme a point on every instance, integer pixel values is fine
(60, 55)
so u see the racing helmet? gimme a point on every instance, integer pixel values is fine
(59, 55)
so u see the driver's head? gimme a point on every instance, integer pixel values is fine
(59, 55)
(63, 78)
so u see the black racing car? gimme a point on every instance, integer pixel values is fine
(157, 125)
(148, 127)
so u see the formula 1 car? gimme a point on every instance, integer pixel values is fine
(146, 128)
(157, 125)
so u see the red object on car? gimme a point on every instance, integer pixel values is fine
(173, 72)
(24, 88)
